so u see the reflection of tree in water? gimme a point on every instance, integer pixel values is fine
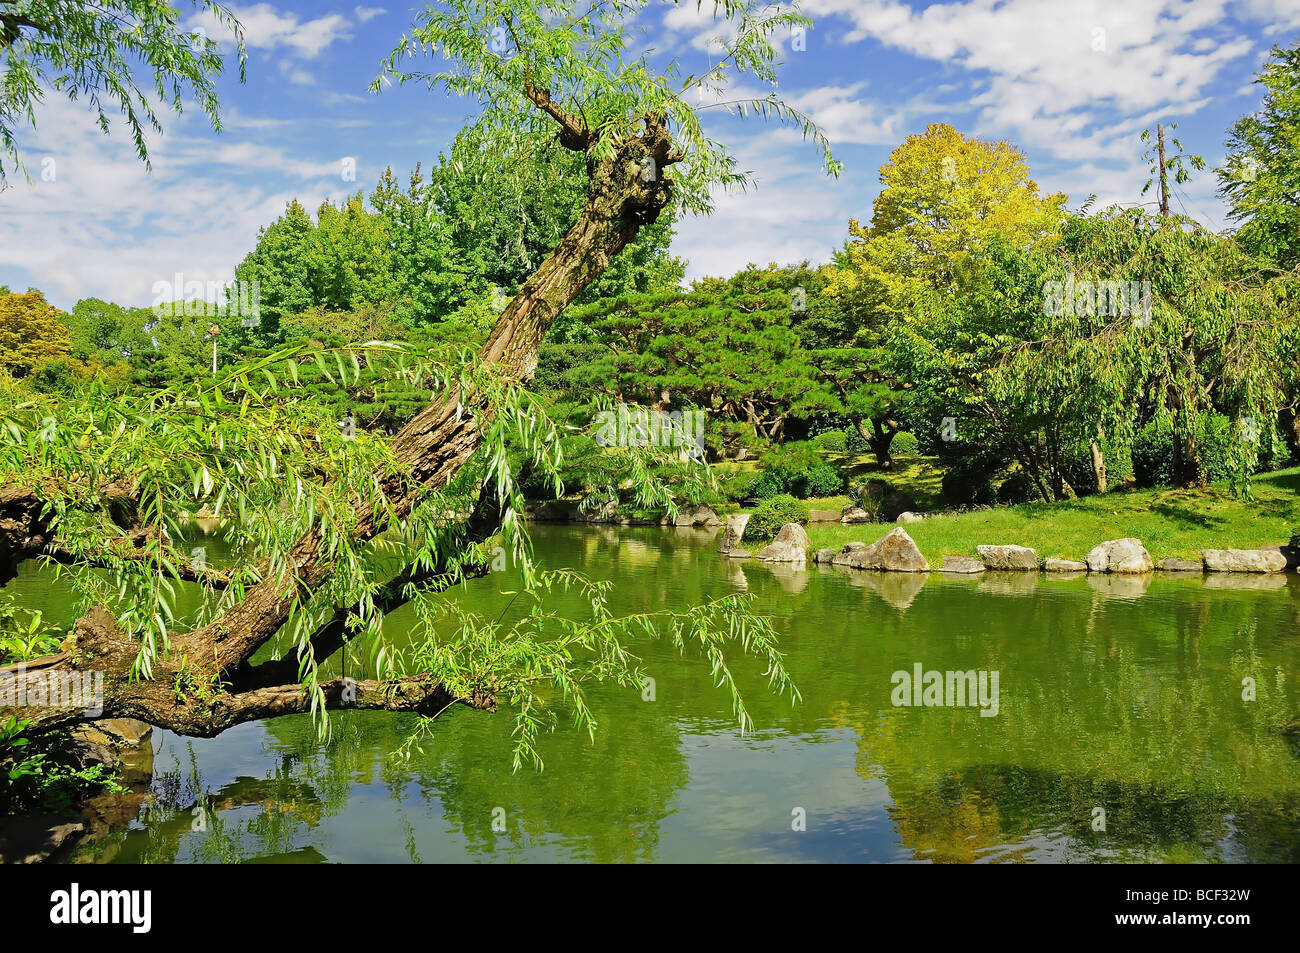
(1162, 741)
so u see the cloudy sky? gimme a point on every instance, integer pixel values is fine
(1072, 82)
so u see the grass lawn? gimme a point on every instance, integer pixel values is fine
(1169, 522)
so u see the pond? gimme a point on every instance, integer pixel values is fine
(1124, 729)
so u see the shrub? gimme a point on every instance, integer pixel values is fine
(854, 442)
(739, 485)
(821, 480)
(770, 515)
(769, 483)
(969, 482)
(904, 444)
(832, 441)
(1153, 450)
(1017, 488)
(796, 469)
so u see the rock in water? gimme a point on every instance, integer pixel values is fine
(1126, 555)
(1013, 558)
(823, 556)
(1064, 565)
(1173, 564)
(1243, 560)
(693, 516)
(790, 546)
(732, 533)
(893, 552)
(967, 565)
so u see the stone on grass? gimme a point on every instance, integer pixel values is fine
(1127, 556)
(910, 517)
(852, 513)
(1012, 558)
(823, 516)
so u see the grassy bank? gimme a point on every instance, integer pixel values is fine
(1169, 522)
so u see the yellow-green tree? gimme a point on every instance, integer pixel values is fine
(944, 194)
(31, 331)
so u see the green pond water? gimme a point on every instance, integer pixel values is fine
(1121, 734)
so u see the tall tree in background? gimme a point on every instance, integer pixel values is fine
(93, 51)
(31, 331)
(944, 197)
(1164, 161)
(1260, 179)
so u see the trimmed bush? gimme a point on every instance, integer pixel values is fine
(904, 444)
(821, 480)
(769, 483)
(832, 441)
(854, 442)
(770, 515)
(739, 486)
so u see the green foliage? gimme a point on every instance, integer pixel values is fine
(905, 444)
(94, 50)
(821, 480)
(1153, 451)
(1260, 178)
(541, 664)
(1017, 488)
(770, 515)
(496, 52)
(24, 634)
(36, 775)
(832, 441)
(969, 482)
(505, 211)
(726, 346)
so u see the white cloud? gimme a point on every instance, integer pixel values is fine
(1056, 75)
(846, 118)
(366, 14)
(266, 28)
(107, 227)
(791, 212)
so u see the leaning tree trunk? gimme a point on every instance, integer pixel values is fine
(430, 449)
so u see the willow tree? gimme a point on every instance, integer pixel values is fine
(96, 51)
(334, 529)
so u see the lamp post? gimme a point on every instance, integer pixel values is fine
(214, 331)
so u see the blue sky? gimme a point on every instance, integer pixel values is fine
(1072, 82)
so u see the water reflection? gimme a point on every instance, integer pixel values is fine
(1123, 695)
